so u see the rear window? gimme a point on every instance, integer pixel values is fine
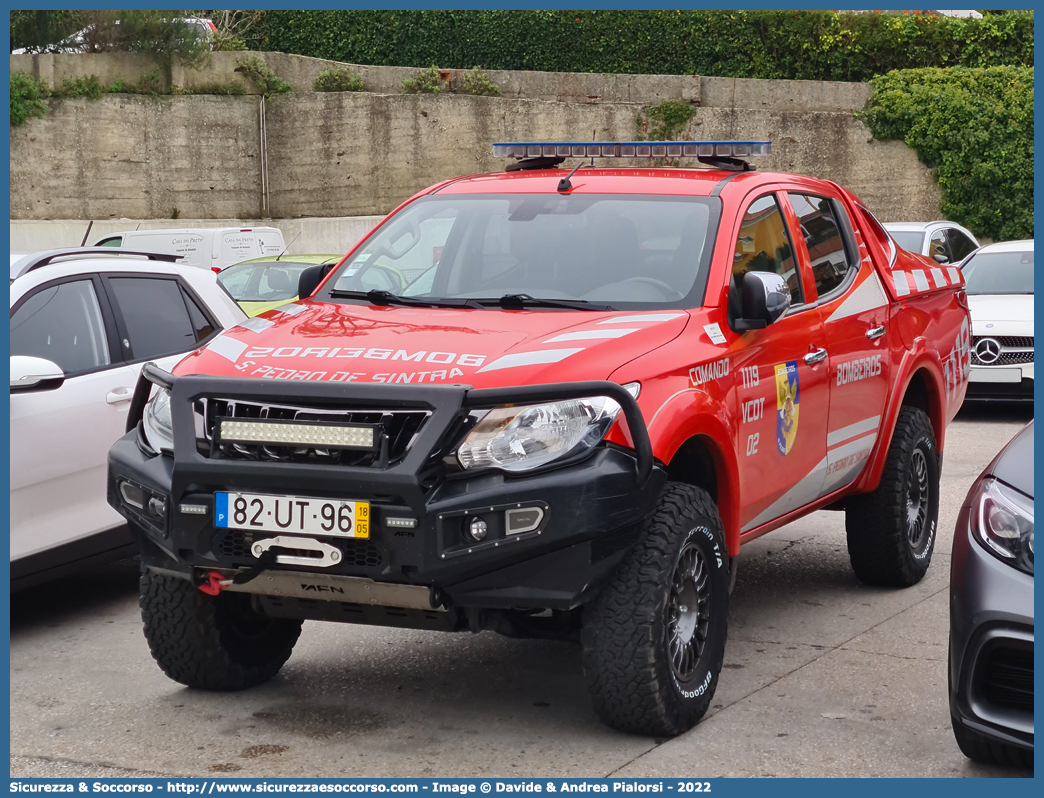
(911, 241)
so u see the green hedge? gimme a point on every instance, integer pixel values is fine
(800, 45)
(974, 127)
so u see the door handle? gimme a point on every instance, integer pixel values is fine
(816, 357)
(875, 332)
(118, 395)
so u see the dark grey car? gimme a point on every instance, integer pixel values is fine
(991, 611)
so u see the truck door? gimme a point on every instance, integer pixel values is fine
(855, 319)
(780, 377)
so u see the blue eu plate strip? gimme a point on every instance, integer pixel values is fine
(221, 509)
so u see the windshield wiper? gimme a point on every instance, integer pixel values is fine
(520, 301)
(378, 297)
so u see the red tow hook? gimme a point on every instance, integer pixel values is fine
(215, 584)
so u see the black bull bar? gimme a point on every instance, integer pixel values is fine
(448, 405)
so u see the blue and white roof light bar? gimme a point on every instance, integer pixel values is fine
(631, 149)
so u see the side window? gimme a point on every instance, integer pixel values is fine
(826, 246)
(111, 241)
(940, 246)
(62, 323)
(960, 244)
(763, 246)
(154, 314)
(200, 324)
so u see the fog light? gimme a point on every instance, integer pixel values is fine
(158, 506)
(475, 528)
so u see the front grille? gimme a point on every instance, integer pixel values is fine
(1013, 358)
(1007, 678)
(396, 430)
(1014, 350)
(236, 543)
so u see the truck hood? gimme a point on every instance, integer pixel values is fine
(1001, 314)
(399, 345)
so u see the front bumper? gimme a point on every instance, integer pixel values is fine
(991, 642)
(593, 509)
(1001, 383)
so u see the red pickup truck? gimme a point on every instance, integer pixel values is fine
(596, 386)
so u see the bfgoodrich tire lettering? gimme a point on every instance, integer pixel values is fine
(654, 638)
(212, 642)
(892, 531)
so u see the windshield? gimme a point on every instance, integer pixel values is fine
(617, 250)
(911, 241)
(999, 273)
(262, 282)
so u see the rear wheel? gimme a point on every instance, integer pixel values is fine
(212, 642)
(891, 531)
(654, 638)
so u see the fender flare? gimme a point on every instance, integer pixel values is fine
(691, 413)
(915, 361)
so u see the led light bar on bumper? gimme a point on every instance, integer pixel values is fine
(295, 434)
(632, 149)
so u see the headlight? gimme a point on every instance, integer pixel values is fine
(523, 438)
(159, 430)
(1003, 521)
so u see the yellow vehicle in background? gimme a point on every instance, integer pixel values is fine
(261, 284)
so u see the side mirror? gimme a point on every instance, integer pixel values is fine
(766, 297)
(940, 259)
(310, 279)
(34, 374)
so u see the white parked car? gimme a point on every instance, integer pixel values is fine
(213, 248)
(82, 323)
(946, 242)
(999, 282)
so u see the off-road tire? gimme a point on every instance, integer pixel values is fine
(631, 669)
(212, 642)
(892, 531)
(982, 749)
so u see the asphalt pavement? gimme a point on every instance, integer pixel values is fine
(823, 676)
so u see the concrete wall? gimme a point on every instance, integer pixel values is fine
(330, 235)
(301, 71)
(352, 154)
(362, 153)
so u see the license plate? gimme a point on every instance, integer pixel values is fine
(292, 514)
(994, 374)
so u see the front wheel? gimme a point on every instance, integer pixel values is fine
(654, 638)
(212, 642)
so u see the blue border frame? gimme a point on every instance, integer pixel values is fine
(854, 787)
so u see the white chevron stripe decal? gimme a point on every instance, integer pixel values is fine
(902, 286)
(867, 296)
(641, 317)
(529, 359)
(843, 434)
(587, 335)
